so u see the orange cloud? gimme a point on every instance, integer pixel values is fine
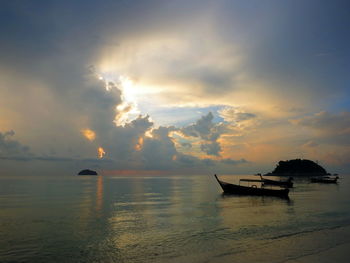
(89, 134)
(101, 152)
(139, 144)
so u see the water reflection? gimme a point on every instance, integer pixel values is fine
(99, 194)
(258, 200)
(151, 219)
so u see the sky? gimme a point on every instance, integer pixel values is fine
(173, 87)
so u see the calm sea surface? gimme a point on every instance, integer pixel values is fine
(165, 219)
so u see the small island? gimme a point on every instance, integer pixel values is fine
(87, 172)
(298, 167)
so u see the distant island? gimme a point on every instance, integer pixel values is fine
(298, 167)
(87, 172)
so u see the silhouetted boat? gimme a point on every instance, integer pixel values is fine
(285, 183)
(325, 179)
(251, 190)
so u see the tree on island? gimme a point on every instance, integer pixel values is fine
(299, 166)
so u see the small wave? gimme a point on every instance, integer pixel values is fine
(307, 231)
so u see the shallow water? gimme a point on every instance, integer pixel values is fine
(165, 219)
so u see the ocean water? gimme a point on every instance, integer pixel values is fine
(165, 219)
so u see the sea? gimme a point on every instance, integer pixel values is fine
(180, 218)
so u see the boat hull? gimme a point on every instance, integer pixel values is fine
(324, 181)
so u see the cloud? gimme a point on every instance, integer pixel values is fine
(310, 144)
(233, 162)
(13, 150)
(137, 142)
(330, 128)
(236, 115)
(158, 151)
(326, 122)
(212, 148)
(208, 132)
(120, 141)
(203, 128)
(239, 119)
(186, 144)
(55, 159)
(10, 147)
(253, 65)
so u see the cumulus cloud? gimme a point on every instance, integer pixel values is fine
(202, 128)
(144, 146)
(158, 151)
(95, 105)
(183, 54)
(121, 142)
(208, 132)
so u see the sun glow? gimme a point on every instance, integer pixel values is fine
(128, 88)
(127, 110)
(89, 134)
(101, 152)
(148, 133)
(124, 113)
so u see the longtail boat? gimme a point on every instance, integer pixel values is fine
(251, 190)
(324, 179)
(285, 183)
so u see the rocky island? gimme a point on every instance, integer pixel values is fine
(87, 172)
(298, 167)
